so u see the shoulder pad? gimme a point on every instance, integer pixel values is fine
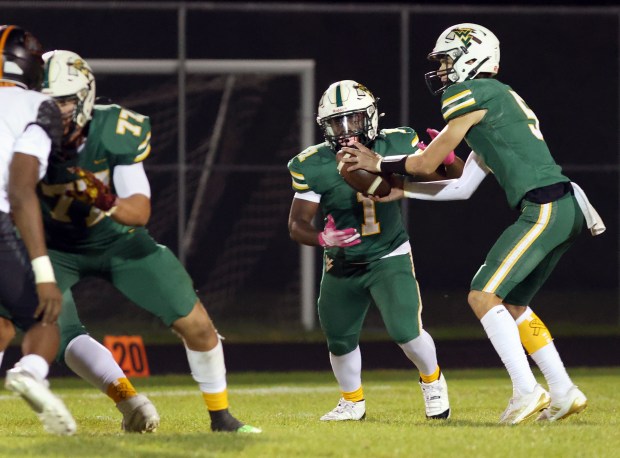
(403, 139)
(48, 117)
(124, 133)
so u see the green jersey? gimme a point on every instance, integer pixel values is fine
(380, 224)
(116, 136)
(508, 138)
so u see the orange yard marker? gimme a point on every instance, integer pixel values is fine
(129, 353)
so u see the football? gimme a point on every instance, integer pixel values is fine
(368, 183)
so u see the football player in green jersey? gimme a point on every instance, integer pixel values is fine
(95, 204)
(367, 254)
(506, 139)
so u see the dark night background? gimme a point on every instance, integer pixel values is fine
(561, 58)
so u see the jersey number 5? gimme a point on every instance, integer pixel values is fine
(535, 128)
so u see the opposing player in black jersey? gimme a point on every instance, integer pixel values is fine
(29, 129)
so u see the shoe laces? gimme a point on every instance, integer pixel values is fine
(344, 406)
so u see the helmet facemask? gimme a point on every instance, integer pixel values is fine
(348, 112)
(438, 81)
(340, 130)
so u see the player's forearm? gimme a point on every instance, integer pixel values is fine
(134, 210)
(303, 232)
(26, 212)
(426, 163)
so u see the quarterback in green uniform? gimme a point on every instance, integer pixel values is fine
(96, 201)
(367, 253)
(505, 136)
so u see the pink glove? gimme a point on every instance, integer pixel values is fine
(450, 157)
(338, 237)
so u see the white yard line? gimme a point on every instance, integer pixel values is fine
(265, 391)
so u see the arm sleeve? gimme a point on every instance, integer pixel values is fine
(309, 195)
(462, 188)
(131, 179)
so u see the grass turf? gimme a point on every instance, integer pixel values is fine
(287, 406)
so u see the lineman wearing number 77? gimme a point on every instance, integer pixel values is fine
(95, 201)
(367, 255)
(505, 135)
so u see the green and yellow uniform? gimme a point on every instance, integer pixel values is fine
(83, 241)
(355, 276)
(509, 140)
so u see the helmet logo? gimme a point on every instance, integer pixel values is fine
(363, 88)
(464, 35)
(80, 66)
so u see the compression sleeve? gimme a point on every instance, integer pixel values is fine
(131, 179)
(462, 188)
(309, 195)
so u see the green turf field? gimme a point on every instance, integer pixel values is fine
(287, 406)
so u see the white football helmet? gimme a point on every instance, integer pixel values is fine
(472, 49)
(68, 76)
(348, 109)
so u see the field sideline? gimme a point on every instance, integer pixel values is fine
(287, 406)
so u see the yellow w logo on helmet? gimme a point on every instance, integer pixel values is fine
(80, 66)
(464, 35)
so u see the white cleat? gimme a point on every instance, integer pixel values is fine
(52, 412)
(139, 414)
(574, 401)
(346, 410)
(524, 407)
(436, 399)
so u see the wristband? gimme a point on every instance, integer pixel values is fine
(394, 164)
(43, 270)
(449, 158)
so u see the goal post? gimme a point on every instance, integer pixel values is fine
(304, 69)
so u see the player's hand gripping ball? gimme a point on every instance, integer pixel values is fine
(368, 183)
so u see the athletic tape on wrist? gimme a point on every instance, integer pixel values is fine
(394, 164)
(43, 270)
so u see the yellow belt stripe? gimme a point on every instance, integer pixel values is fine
(517, 252)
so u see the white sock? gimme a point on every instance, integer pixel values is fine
(421, 351)
(93, 362)
(35, 365)
(348, 370)
(503, 333)
(550, 364)
(208, 368)
(1, 357)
